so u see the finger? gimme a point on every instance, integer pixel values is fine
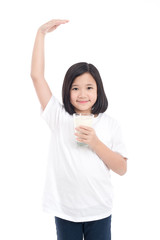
(57, 21)
(83, 131)
(62, 21)
(51, 26)
(81, 138)
(52, 29)
(89, 129)
(79, 134)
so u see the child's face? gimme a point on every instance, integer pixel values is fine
(83, 93)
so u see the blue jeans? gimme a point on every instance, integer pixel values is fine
(93, 230)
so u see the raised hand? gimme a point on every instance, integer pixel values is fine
(51, 25)
(37, 67)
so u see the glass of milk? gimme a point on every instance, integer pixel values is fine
(82, 119)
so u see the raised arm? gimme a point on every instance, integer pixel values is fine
(38, 61)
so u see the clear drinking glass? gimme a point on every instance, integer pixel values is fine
(83, 119)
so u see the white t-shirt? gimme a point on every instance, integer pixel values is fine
(78, 186)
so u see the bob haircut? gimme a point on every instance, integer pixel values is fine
(76, 70)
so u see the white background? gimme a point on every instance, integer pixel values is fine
(122, 39)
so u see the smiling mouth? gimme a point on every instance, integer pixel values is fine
(82, 101)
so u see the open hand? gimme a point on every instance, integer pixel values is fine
(51, 25)
(87, 135)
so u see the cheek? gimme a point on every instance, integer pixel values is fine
(94, 97)
(72, 97)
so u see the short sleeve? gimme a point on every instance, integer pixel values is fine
(118, 144)
(52, 112)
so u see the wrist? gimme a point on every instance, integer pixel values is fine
(96, 144)
(41, 33)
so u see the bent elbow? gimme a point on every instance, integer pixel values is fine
(123, 172)
(123, 169)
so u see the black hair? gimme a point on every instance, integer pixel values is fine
(76, 70)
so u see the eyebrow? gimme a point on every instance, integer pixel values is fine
(90, 84)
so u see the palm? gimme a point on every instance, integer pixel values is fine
(52, 25)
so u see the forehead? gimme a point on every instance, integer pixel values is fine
(85, 78)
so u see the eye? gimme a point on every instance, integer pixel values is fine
(90, 88)
(75, 88)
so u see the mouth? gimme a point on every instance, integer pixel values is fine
(82, 102)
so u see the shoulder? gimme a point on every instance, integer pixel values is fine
(54, 112)
(109, 123)
(54, 104)
(108, 119)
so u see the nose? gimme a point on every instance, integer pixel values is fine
(82, 94)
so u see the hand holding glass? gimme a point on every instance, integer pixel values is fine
(83, 120)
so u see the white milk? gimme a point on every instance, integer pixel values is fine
(84, 120)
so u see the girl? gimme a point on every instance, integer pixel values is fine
(78, 190)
